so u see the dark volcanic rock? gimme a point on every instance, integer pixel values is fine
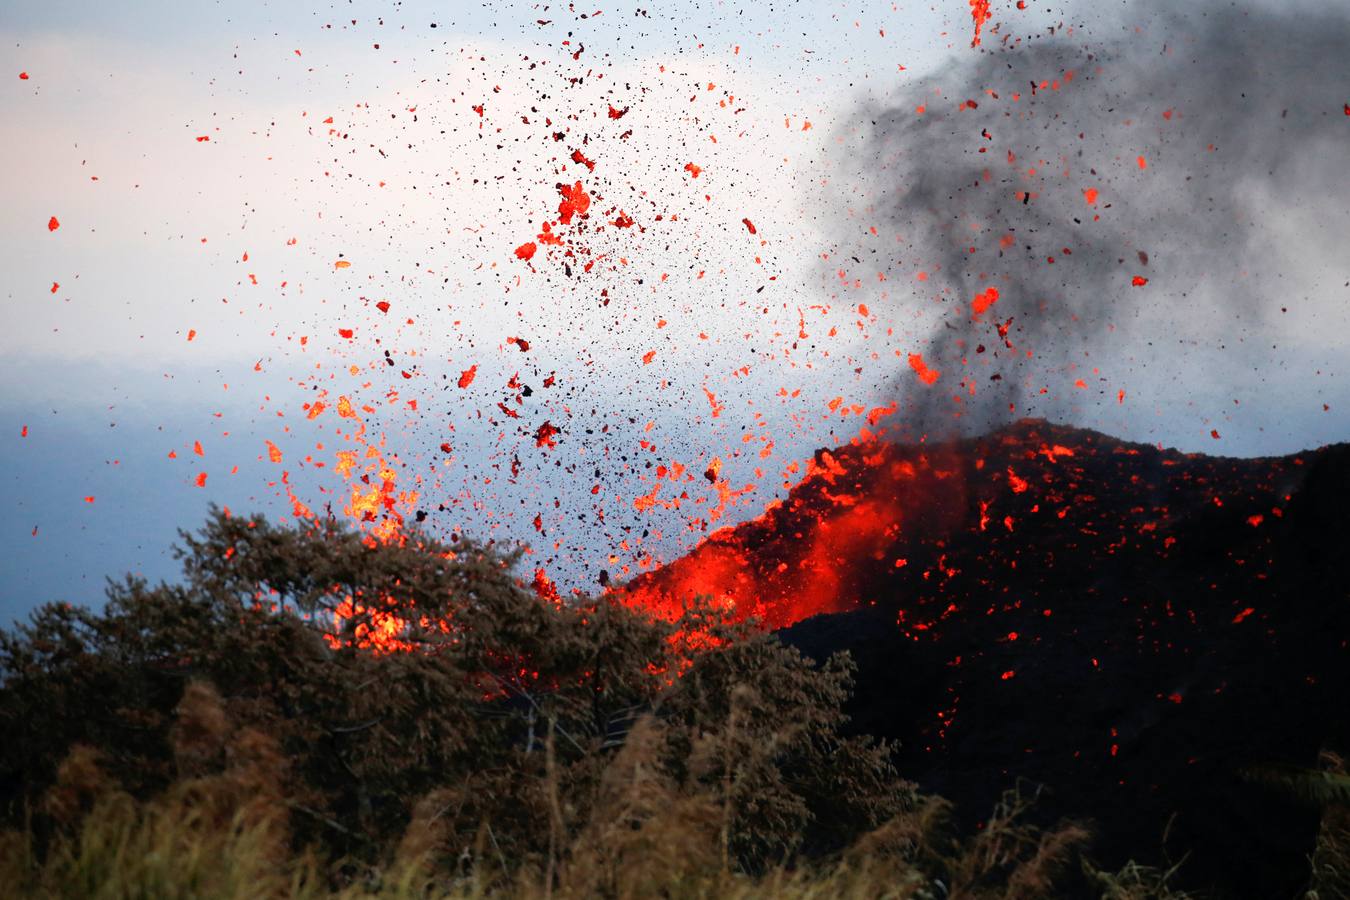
(1131, 627)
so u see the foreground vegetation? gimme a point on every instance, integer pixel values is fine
(456, 735)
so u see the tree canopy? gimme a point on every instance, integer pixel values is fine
(377, 677)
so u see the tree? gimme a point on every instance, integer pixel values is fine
(413, 682)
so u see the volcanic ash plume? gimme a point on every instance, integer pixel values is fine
(1056, 201)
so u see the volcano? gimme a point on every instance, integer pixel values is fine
(1136, 629)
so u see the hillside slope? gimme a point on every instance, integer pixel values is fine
(1130, 626)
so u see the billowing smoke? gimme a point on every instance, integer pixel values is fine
(1061, 198)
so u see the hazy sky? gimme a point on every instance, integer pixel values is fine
(212, 166)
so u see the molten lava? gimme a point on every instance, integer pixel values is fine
(897, 524)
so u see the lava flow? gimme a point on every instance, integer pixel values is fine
(811, 553)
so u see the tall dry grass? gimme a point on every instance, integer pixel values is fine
(222, 830)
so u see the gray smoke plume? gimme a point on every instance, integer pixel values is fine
(989, 185)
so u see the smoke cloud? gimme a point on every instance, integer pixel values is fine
(1061, 199)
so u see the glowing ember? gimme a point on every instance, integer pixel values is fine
(983, 301)
(926, 375)
(979, 14)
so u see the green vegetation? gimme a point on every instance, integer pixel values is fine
(216, 739)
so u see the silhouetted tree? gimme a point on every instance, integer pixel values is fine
(389, 676)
